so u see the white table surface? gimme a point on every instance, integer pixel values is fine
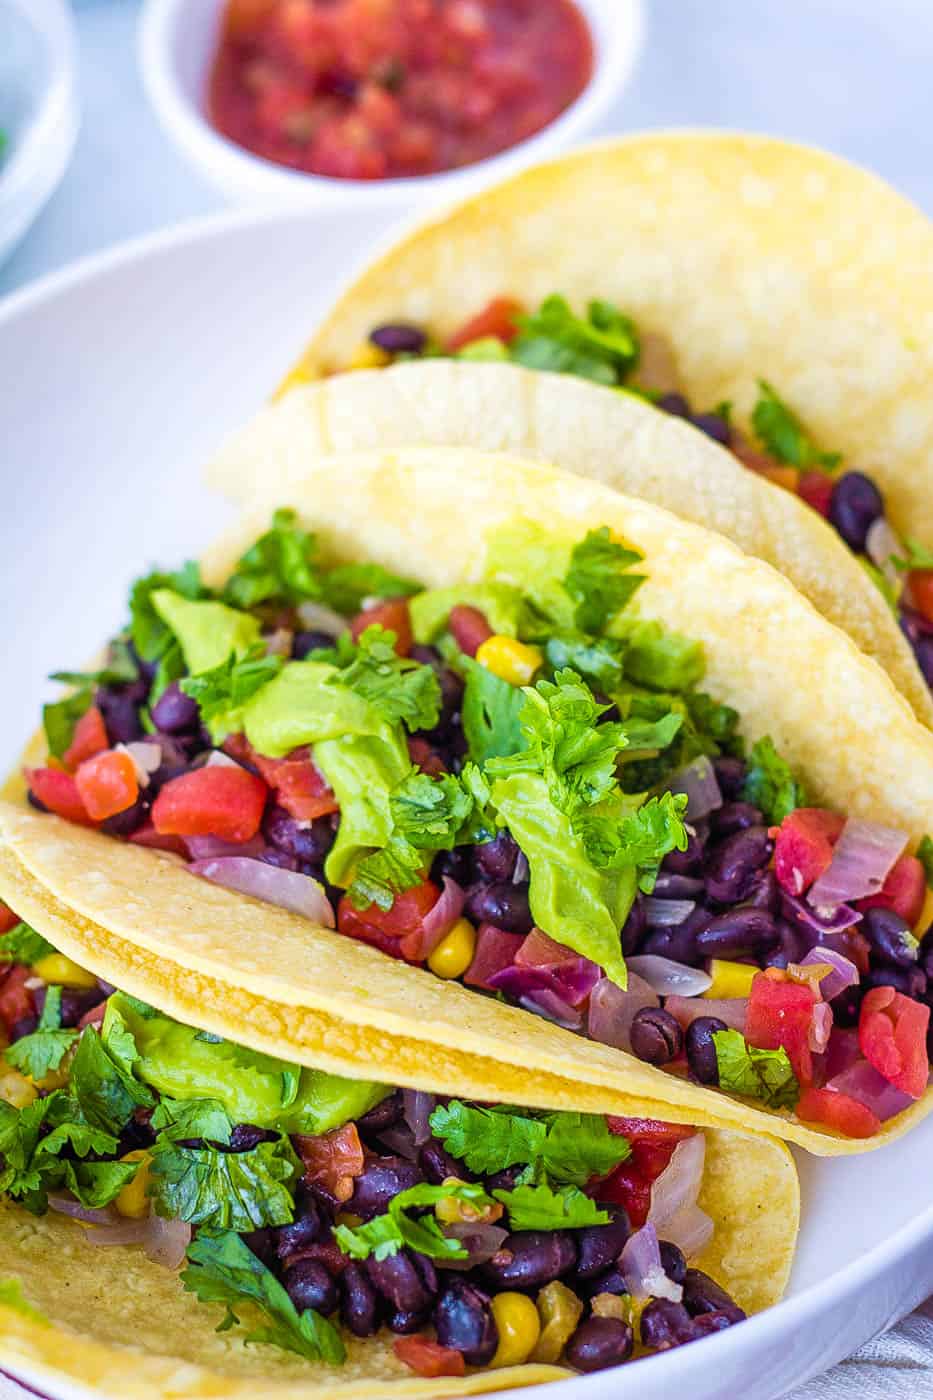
(852, 75)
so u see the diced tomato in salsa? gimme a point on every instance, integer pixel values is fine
(299, 785)
(218, 800)
(495, 950)
(332, 1160)
(780, 1014)
(803, 847)
(469, 628)
(904, 890)
(427, 1358)
(538, 950)
(58, 792)
(393, 616)
(397, 931)
(89, 738)
(499, 319)
(16, 999)
(424, 757)
(892, 1035)
(8, 919)
(846, 1115)
(920, 583)
(107, 784)
(653, 1144)
(816, 488)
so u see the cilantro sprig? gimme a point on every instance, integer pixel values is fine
(397, 1229)
(43, 1051)
(402, 690)
(602, 345)
(759, 1074)
(427, 815)
(782, 434)
(598, 580)
(770, 783)
(571, 1148)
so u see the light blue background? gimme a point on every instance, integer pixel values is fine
(855, 76)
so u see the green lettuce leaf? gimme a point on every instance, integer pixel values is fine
(490, 713)
(149, 632)
(346, 586)
(758, 1074)
(280, 568)
(502, 605)
(598, 580)
(916, 556)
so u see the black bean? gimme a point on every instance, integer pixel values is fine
(791, 946)
(451, 699)
(304, 843)
(701, 1048)
(532, 1258)
(599, 1246)
(76, 1001)
(923, 651)
(495, 860)
(261, 1242)
(309, 1285)
(305, 642)
(665, 1325)
(734, 816)
(673, 1261)
(503, 904)
(120, 710)
(599, 1342)
(506, 1180)
(398, 1280)
(246, 1136)
(359, 1303)
(764, 892)
(438, 1165)
(704, 1295)
(712, 1322)
(634, 928)
(399, 338)
(404, 1323)
(464, 1322)
(730, 775)
(385, 1115)
(731, 864)
(427, 1271)
(847, 1006)
(688, 862)
(308, 1227)
(890, 938)
(380, 1180)
(130, 819)
(854, 506)
(671, 886)
(426, 656)
(612, 1281)
(744, 932)
(925, 952)
(673, 403)
(910, 982)
(174, 711)
(714, 426)
(456, 864)
(656, 1036)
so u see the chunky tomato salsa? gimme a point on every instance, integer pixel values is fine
(371, 89)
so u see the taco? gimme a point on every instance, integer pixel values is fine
(363, 1241)
(773, 296)
(499, 726)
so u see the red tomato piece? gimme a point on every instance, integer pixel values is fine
(803, 847)
(892, 1035)
(629, 1188)
(816, 488)
(89, 738)
(920, 583)
(846, 1115)
(499, 318)
(469, 628)
(214, 801)
(495, 950)
(904, 891)
(428, 1358)
(146, 835)
(332, 1160)
(779, 1014)
(8, 919)
(107, 784)
(94, 1017)
(393, 615)
(300, 787)
(425, 758)
(650, 1130)
(16, 999)
(397, 931)
(58, 792)
(538, 950)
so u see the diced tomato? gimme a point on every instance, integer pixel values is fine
(424, 757)
(816, 488)
(8, 919)
(332, 1160)
(393, 615)
(89, 738)
(499, 319)
(495, 950)
(107, 783)
(538, 950)
(58, 792)
(146, 835)
(214, 801)
(920, 583)
(650, 1130)
(628, 1187)
(779, 1014)
(846, 1115)
(392, 930)
(779, 474)
(95, 1016)
(16, 999)
(803, 846)
(428, 1358)
(904, 890)
(300, 787)
(469, 628)
(892, 1035)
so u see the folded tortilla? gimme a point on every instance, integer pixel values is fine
(111, 1320)
(832, 711)
(615, 438)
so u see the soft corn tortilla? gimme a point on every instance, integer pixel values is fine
(615, 438)
(832, 711)
(83, 1330)
(756, 258)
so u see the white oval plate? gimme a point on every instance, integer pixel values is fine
(117, 378)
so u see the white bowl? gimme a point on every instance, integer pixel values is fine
(177, 41)
(38, 109)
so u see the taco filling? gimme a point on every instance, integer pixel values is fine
(482, 1236)
(605, 346)
(522, 788)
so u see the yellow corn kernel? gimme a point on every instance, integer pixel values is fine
(519, 1327)
(133, 1200)
(508, 659)
(58, 969)
(926, 918)
(730, 979)
(454, 953)
(453, 1210)
(368, 356)
(15, 1088)
(559, 1311)
(632, 1309)
(610, 1305)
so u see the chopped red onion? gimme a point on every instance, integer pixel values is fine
(289, 890)
(670, 978)
(679, 1183)
(122, 1232)
(147, 757)
(842, 1053)
(417, 1107)
(640, 1262)
(219, 759)
(844, 973)
(821, 921)
(612, 1011)
(571, 981)
(67, 1205)
(209, 847)
(862, 860)
(667, 913)
(821, 1025)
(316, 618)
(863, 1082)
(439, 919)
(480, 1241)
(732, 1010)
(522, 869)
(691, 1229)
(553, 1008)
(881, 544)
(698, 781)
(167, 1241)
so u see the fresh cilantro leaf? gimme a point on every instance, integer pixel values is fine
(32, 1141)
(488, 1141)
(782, 434)
(889, 591)
(121, 669)
(149, 634)
(396, 1229)
(659, 659)
(107, 1093)
(597, 579)
(602, 346)
(400, 689)
(183, 1119)
(346, 586)
(598, 659)
(636, 840)
(23, 945)
(47, 1046)
(917, 556)
(489, 713)
(714, 724)
(427, 816)
(759, 1074)
(239, 1191)
(222, 692)
(542, 1208)
(651, 736)
(925, 857)
(580, 1146)
(280, 567)
(770, 784)
(223, 1269)
(60, 717)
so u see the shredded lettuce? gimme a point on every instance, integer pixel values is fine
(758, 1074)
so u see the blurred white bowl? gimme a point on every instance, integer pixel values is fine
(177, 41)
(38, 109)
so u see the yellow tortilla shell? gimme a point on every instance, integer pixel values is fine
(614, 438)
(755, 257)
(112, 1320)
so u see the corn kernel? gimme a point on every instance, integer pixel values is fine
(15, 1088)
(368, 356)
(730, 979)
(453, 1210)
(559, 1310)
(510, 660)
(926, 918)
(58, 969)
(609, 1305)
(454, 953)
(133, 1200)
(519, 1327)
